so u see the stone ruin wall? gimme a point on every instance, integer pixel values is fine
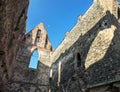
(87, 62)
(14, 72)
(91, 63)
(26, 79)
(12, 27)
(72, 36)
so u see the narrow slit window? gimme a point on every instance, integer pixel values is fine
(34, 60)
(78, 60)
(37, 39)
(38, 35)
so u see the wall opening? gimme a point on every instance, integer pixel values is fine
(37, 39)
(38, 32)
(38, 36)
(78, 60)
(34, 60)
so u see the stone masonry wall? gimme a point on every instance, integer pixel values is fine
(92, 62)
(25, 78)
(87, 60)
(76, 31)
(12, 27)
(91, 17)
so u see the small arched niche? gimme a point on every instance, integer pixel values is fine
(78, 57)
(34, 60)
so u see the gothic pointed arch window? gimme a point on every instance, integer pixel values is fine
(34, 60)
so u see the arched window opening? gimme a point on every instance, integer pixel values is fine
(34, 60)
(38, 32)
(37, 39)
(78, 60)
(38, 35)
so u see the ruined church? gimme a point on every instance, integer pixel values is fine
(87, 60)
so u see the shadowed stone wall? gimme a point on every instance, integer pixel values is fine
(91, 62)
(12, 27)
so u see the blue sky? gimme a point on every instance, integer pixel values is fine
(58, 16)
(34, 60)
